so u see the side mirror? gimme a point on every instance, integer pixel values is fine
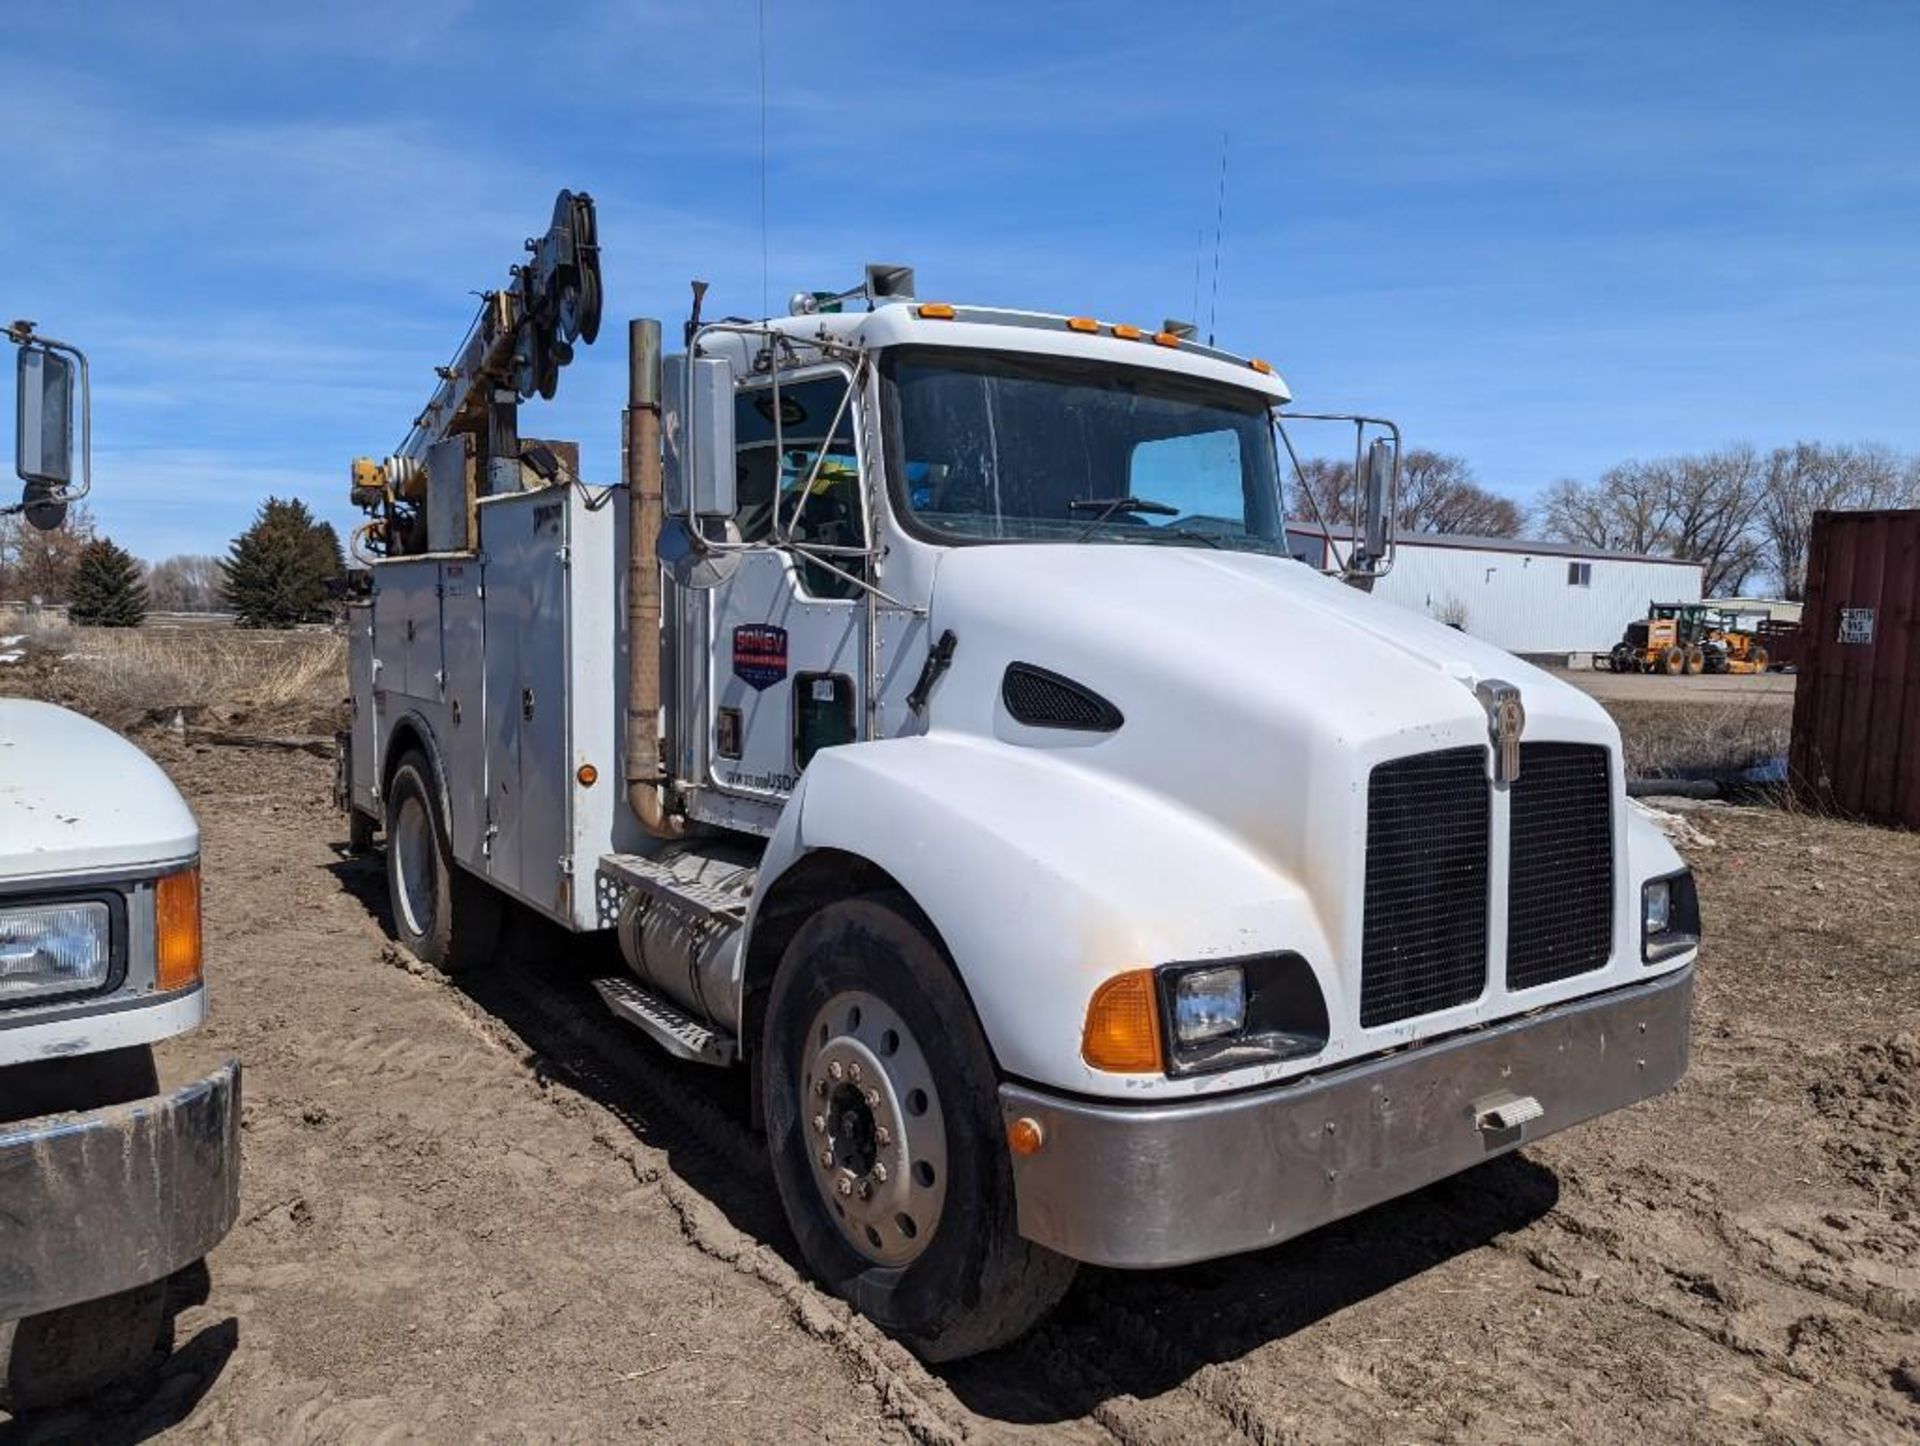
(697, 438)
(43, 449)
(1378, 489)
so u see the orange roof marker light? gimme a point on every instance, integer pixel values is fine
(1123, 1025)
(935, 310)
(1125, 332)
(1082, 323)
(1265, 368)
(1166, 338)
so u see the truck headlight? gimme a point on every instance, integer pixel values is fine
(1255, 1010)
(48, 949)
(1669, 917)
(1209, 1003)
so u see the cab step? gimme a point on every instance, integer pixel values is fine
(669, 1026)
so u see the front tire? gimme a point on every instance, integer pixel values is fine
(443, 914)
(883, 1124)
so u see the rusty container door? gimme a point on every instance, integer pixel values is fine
(1856, 711)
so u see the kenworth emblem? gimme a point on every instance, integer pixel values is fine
(1505, 720)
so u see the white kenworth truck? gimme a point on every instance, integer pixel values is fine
(938, 717)
(109, 1187)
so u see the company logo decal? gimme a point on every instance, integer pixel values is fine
(759, 655)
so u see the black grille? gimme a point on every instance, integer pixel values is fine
(1041, 699)
(1424, 934)
(1560, 893)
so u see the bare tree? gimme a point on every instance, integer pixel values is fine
(188, 583)
(1438, 493)
(1811, 477)
(36, 564)
(1701, 507)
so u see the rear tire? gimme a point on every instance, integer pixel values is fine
(1758, 657)
(63, 1355)
(937, 1262)
(443, 915)
(1674, 662)
(1696, 662)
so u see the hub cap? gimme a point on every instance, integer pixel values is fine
(412, 845)
(873, 1128)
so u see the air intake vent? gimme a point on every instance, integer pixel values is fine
(1041, 699)
(1424, 932)
(1560, 894)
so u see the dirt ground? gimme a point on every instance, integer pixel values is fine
(488, 1212)
(1775, 689)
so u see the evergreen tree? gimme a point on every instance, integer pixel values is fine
(275, 575)
(106, 590)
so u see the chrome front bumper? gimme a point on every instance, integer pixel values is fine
(99, 1202)
(1154, 1185)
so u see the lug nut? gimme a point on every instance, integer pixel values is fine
(820, 1087)
(882, 1135)
(879, 1172)
(819, 1124)
(826, 1158)
(845, 1187)
(837, 1070)
(853, 1072)
(866, 1190)
(872, 1097)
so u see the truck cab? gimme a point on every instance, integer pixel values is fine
(110, 1184)
(1083, 877)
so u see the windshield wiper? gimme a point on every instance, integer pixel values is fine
(1107, 506)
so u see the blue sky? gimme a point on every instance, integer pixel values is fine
(1545, 237)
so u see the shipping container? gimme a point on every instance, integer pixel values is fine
(1856, 714)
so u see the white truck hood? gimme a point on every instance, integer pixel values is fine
(1256, 692)
(77, 798)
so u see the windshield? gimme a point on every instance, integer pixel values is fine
(1001, 447)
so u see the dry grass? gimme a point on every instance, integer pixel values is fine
(292, 682)
(1702, 739)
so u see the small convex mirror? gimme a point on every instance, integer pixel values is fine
(43, 449)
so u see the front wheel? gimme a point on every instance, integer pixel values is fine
(883, 1125)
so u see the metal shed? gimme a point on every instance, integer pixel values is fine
(1856, 712)
(1543, 599)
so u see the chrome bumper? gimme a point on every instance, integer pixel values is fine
(95, 1203)
(1133, 1185)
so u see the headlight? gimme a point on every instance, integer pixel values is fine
(1255, 1010)
(1669, 917)
(1657, 899)
(51, 949)
(1209, 1003)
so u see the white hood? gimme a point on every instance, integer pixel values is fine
(1256, 692)
(77, 798)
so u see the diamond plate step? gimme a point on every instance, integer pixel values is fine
(655, 878)
(670, 1027)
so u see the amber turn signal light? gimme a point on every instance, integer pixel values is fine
(588, 775)
(1123, 1026)
(935, 311)
(1082, 323)
(176, 929)
(1025, 1137)
(1125, 332)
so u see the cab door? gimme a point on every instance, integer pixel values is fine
(788, 632)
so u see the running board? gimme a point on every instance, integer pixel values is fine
(669, 1026)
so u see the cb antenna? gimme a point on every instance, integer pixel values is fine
(766, 246)
(1219, 229)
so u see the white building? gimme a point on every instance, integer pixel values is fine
(1536, 598)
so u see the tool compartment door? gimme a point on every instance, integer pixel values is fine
(525, 545)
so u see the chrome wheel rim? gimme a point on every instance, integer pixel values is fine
(874, 1131)
(412, 845)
